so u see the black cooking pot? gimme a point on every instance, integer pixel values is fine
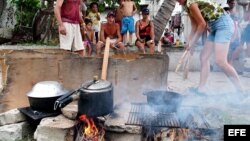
(164, 100)
(96, 98)
(44, 94)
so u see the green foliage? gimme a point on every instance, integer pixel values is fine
(111, 4)
(26, 10)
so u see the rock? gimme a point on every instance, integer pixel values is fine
(16, 131)
(6, 33)
(11, 116)
(70, 111)
(115, 136)
(55, 129)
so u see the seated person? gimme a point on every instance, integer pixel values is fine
(168, 38)
(111, 30)
(145, 33)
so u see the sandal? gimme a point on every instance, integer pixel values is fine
(195, 91)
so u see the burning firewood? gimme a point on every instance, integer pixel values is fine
(88, 130)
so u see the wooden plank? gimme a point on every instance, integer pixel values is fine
(105, 60)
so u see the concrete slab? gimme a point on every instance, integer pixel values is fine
(217, 82)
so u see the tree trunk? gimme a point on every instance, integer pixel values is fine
(1, 7)
(162, 16)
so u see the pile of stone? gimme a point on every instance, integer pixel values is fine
(16, 126)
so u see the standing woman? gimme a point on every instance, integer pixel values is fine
(207, 14)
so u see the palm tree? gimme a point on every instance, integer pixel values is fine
(1, 6)
(162, 17)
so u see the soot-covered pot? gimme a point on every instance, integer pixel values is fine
(44, 94)
(96, 98)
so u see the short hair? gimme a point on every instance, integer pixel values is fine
(87, 21)
(111, 13)
(92, 4)
(145, 11)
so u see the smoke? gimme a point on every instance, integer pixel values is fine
(216, 109)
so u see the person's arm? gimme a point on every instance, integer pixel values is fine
(137, 30)
(134, 9)
(57, 11)
(118, 34)
(93, 37)
(80, 15)
(83, 8)
(122, 4)
(152, 32)
(98, 16)
(102, 38)
(198, 25)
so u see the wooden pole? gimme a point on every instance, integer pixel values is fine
(186, 66)
(105, 60)
(180, 61)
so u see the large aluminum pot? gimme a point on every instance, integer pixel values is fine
(44, 94)
(96, 98)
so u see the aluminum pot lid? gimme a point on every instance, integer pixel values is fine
(97, 85)
(46, 89)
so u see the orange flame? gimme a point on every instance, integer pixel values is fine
(90, 129)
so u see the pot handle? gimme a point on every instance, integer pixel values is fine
(62, 98)
(95, 80)
(67, 100)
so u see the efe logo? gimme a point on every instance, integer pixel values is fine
(237, 132)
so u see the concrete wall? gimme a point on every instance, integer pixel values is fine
(24, 68)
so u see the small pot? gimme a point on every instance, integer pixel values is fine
(96, 98)
(44, 94)
(164, 100)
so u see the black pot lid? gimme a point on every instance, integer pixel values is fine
(96, 85)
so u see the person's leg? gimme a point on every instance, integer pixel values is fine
(78, 43)
(125, 34)
(151, 46)
(96, 37)
(66, 41)
(205, 65)
(221, 52)
(130, 39)
(89, 49)
(121, 47)
(140, 46)
(131, 28)
(99, 46)
(236, 53)
(248, 50)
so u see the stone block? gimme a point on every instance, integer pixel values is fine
(55, 129)
(11, 116)
(70, 111)
(16, 131)
(115, 136)
(6, 33)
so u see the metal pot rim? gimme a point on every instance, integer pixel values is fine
(89, 91)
